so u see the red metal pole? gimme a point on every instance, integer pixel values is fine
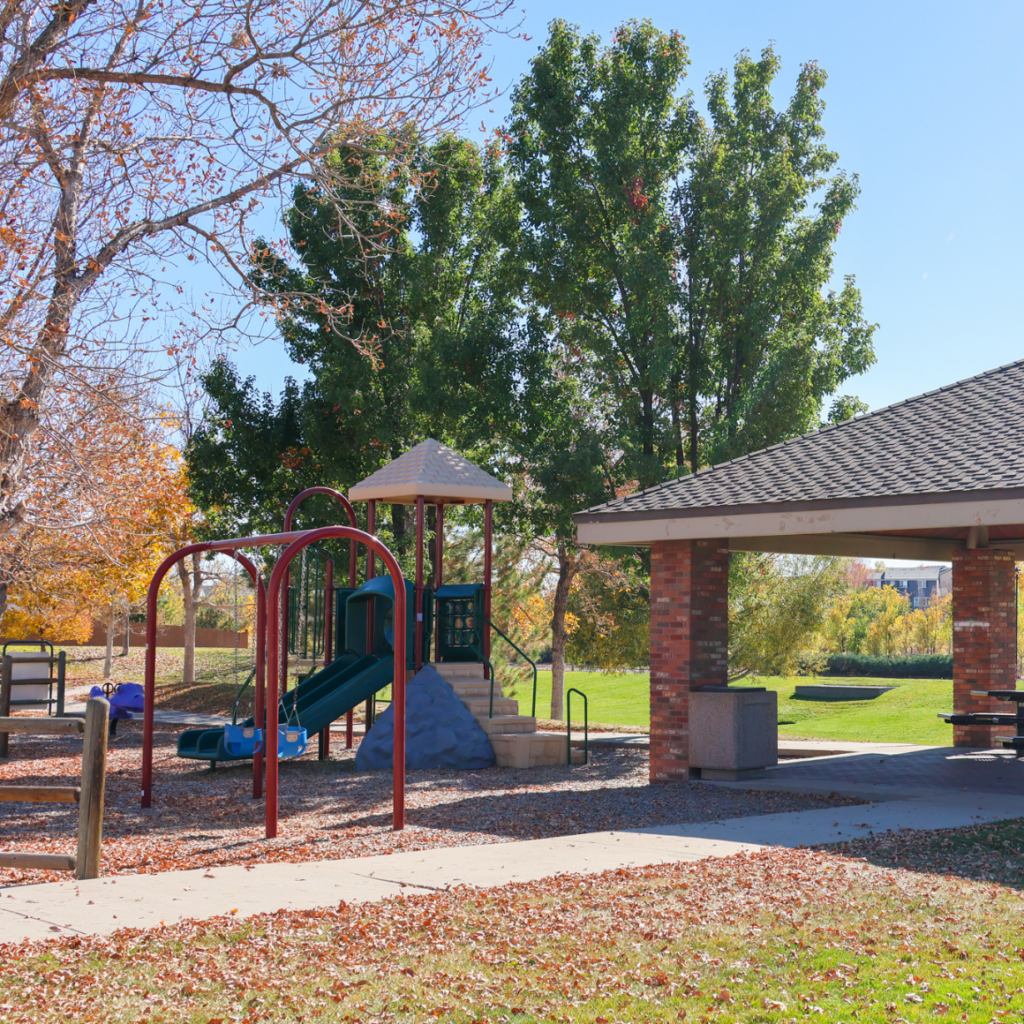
(283, 613)
(329, 613)
(261, 686)
(371, 528)
(417, 657)
(438, 571)
(488, 535)
(398, 681)
(325, 733)
(353, 579)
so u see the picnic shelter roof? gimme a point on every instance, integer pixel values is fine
(916, 479)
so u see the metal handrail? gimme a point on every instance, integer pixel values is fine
(480, 655)
(568, 726)
(519, 650)
(34, 643)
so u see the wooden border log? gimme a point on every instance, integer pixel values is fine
(41, 726)
(94, 773)
(41, 794)
(45, 861)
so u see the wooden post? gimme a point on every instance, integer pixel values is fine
(5, 700)
(61, 668)
(94, 774)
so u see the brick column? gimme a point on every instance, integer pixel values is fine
(984, 638)
(689, 643)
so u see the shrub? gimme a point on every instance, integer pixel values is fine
(915, 666)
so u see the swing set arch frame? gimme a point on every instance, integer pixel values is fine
(296, 542)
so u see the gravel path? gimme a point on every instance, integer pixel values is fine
(329, 811)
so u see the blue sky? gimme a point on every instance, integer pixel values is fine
(924, 103)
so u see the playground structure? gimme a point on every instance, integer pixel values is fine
(373, 635)
(270, 632)
(432, 474)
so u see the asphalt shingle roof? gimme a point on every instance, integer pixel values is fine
(965, 437)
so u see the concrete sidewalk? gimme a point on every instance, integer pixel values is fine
(103, 905)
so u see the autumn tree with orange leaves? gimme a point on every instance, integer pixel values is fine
(114, 495)
(137, 135)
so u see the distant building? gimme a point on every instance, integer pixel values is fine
(920, 584)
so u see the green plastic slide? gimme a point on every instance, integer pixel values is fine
(314, 704)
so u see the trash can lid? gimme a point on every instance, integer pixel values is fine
(732, 689)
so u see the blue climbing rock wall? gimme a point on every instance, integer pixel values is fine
(439, 731)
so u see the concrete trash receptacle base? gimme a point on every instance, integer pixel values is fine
(733, 732)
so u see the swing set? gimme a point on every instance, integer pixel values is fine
(272, 649)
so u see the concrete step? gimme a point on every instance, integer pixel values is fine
(531, 750)
(506, 724)
(482, 705)
(458, 669)
(475, 691)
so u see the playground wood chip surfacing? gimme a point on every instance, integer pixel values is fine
(328, 811)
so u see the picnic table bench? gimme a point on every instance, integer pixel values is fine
(1015, 743)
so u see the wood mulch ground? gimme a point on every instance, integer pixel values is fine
(329, 811)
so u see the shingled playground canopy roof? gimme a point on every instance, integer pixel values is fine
(916, 479)
(434, 472)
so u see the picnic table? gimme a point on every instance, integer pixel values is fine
(1015, 743)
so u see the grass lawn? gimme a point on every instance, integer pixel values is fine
(906, 714)
(774, 937)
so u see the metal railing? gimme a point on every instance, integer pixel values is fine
(568, 725)
(8, 682)
(520, 651)
(88, 796)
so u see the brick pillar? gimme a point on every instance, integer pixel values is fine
(689, 643)
(984, 638)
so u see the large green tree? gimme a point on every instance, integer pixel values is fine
(762, 341)
(686, 257)
(598, 137)
(436, 342)
(248, 458)
(685, 261)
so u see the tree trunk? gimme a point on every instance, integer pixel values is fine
(126, 646)
(559, 637)
(694, 439)
(677, 431)
(647, 432)
(191, 589)
(108, 658)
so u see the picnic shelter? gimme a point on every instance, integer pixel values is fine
(937, 477)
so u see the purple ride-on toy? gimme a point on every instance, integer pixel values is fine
(124, 699)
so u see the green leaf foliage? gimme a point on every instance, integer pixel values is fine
(686, 260)
(777, 609)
